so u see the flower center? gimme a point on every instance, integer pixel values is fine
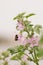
(33, 41)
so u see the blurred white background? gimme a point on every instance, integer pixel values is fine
(10, 8)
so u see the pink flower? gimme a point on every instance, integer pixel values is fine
(34, 41)
(20, 26)
(22, 40)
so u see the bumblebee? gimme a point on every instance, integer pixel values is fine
(16, 37)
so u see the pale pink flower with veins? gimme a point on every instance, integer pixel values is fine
(20, 26)
(22, 40)
(34, 41)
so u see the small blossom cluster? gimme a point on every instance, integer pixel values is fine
(33, 41)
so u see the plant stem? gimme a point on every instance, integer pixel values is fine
(36, 61)
(32, 56)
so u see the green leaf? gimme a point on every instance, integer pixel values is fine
(5, 54)
(18, 56)
(12, 50)
(29, 15)
(17, 49)
(1, 57)
(40, 53)
(29, 27)
(23, 63)
(21, 48)
(19, 16)
(37, 28)
(36, 48)
(41, 40)
(26, 22)
(14, 57)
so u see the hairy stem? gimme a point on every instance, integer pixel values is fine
(36, 61)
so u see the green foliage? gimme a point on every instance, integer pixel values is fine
(19, 16)
(12, 50)
(29, 27)
(26, 46)
(5, 54)
(23, 63)
(37, 28)
(40, 53)
(18, 56)
(17, 49)
(30, 59)
(26, 22)
(21, 48)
(1, 57)
(5, 63)
(31, 51)
(20, 51)
(36, 48)
(41, 40)
(15, 57)
(29, 15)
